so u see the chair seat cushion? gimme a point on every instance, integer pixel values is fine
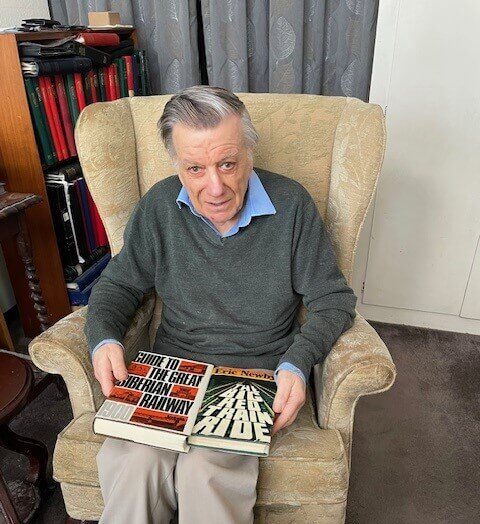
(306, 464)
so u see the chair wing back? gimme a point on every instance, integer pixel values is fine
(333, 145)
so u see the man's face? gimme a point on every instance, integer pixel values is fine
(214, 167)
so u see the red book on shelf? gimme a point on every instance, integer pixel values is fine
(129, 67)
(98, 39)
(110, 83)
(56, 116)
(65, 114)
(98, 229)
(117, 81)
(79, 90)
(48, 112)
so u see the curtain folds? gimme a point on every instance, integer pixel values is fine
(282, 46)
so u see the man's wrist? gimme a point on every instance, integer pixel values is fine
(107, 341)
(289, 367)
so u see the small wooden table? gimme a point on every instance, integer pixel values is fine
(13, 223)
(17, 385)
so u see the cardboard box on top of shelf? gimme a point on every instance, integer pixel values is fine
(99, 18)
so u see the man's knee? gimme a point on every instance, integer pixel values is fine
(123, 455)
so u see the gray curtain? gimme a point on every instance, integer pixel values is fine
(291, 46)
(282, 46)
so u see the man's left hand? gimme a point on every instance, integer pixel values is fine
(290, 397)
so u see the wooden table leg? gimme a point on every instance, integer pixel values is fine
(25, 251)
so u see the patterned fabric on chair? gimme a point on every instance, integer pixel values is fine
(334, 146)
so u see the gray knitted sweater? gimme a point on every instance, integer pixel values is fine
(228, 300)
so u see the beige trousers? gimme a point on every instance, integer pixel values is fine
(145, 485)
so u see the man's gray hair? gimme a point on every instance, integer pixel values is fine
(204, 107)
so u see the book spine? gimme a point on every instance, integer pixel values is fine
(87, 215)
(110, 83)
(87, 89)
(122, 74)
(51, 123)
(94, 86)
(66, 119)
(72, 98)
(116, 78)
(83, 210)
(37, 118)
(79, 91)
(98, 39)
(129, 73)
(102, 84)
(41, 101)
(52, 95)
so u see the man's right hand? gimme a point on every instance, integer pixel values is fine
(109, 365)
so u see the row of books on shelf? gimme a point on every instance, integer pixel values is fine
(60, 86)
(80, 233)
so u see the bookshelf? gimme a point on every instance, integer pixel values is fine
(21, 169)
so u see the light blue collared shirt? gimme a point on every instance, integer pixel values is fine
(257, 203)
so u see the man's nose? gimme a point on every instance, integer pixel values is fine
(215, 186)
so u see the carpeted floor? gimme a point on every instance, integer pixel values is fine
(416, 448)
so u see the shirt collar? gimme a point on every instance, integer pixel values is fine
(258, 202)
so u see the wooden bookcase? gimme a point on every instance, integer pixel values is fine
(21, 169)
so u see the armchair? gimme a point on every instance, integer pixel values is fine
(334, 146)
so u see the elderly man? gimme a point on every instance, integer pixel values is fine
(232, 251)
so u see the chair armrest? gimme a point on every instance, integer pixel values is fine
(358, 364)
(63, 349)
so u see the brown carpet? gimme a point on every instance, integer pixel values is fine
(416, 448)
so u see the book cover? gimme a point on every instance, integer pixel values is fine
(40, 126)
(51, 124)
(77, 78)
(65, 114)
(236, 414)
(157, 403)
(41, 102)
(129, 72)
(54, 107)
(229, 409)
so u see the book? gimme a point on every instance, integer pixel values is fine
(174, 403)
(90, 274)
(53, 66)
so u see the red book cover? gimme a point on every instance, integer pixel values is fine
(117, 81)
(65, 114)
(98, 39)
(129, 67)
(48, 112)
(79, 90)
(56, 116)
(110, 83)
(98, 229)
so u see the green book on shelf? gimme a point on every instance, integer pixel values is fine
(101, 84)
(72, 98)
(39, 123)
(122, 77)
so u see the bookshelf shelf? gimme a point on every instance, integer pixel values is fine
(21, 169)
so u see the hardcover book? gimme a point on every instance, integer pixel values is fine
(174, 403)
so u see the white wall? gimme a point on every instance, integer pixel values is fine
(12, 12)
(419, 258)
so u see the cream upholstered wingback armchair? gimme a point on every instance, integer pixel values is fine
(334, 146)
